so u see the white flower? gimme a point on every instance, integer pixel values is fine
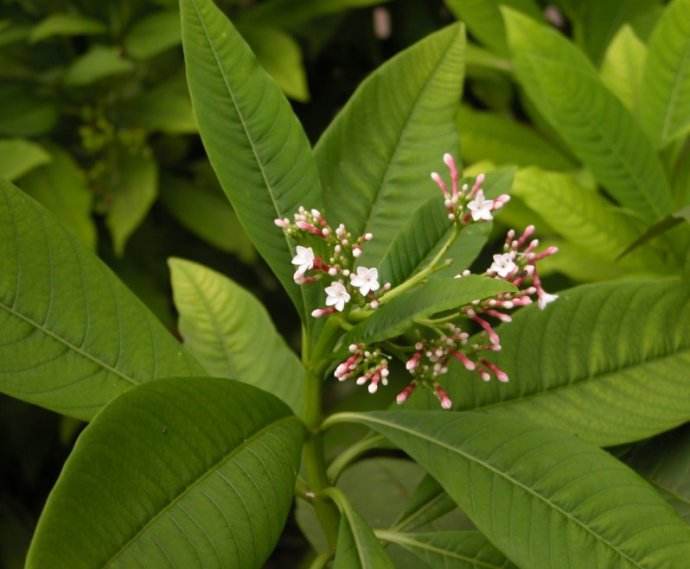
(337, 296)
(365, 280)
(503, 265)
(545, 299)
(480, 207)
(304, 260)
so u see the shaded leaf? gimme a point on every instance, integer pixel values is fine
(594, 123)
(519, 482)
(230, 333)
(665, 100)
(660, 228)
(254, 141)
(98, 63)
(376, 155)
(154, 34)
(177, 473)
(72, 337)
(18, 156)
(65, 24)
(23, 113)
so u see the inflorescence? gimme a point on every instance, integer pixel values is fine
(351, 286)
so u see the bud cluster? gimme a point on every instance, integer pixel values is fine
(368, 366)
(466, 204)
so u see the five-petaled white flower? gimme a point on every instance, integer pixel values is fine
(480, 207)
(503, 265)
(366, 280)
(337, 296)
(304, 260)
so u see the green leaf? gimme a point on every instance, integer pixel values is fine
(501, 140)
(154, 34)
(659, 228)
(376, 156)
(166, 108)
(665, 462)
(254, 141)
(450, 549)
(428, 503)
(281, 56)
(207, 214)
(357, 546)
(18, 156)
(176, 473)
(586, 363)
(133, 187)
(437, 295)
(23, 113)
(540, 495)
(230, 333)
(429, 227)
(72, 337)
(60, 186)
(65, 24)
(483, 18)
(665, 100)
(589, 221)
(594, 123)
(98, 63)
(621, 70)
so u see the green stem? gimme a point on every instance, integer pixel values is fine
(321, 560)
(350, 454)
(315, 473)
(425, 272)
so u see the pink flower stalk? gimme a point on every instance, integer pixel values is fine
(443, 397)
(404, 395)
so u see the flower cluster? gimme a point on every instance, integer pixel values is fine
(337, 265)
(466, 204)
(439, 341)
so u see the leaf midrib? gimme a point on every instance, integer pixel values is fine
(368, 418)
(212, 469)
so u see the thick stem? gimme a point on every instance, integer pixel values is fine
(315, 473)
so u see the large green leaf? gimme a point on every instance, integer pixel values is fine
(607, 362)
(428, 503)
(176, 473)
(231, 334)
(595, 124)
(589, 221)
(501, 140)
(65, 24)
(254, 141)
(154, 34)
(376, 156)
(621, 70)
(357, 546)
(450, 549)
(72, 337)
(61, 187)
(19, 156)
(429, 227)
(665, 99)
(483, 18)
(542, 496)
(665, 462)
(437, 295)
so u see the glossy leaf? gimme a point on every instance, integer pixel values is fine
(450, 549)
(254, 141)
(665, 462)
(376, 156)
(187, 472)
(230, 333)
(357, 546)
(19, 156)
(588, 362)
(589, 221)
(60, 186)
(98, 63)
(594, 123)
(437, 295)
(65, 24)
(501, 140)
(429, 227)
(621, 70)
(665, 100)
(154, 34)
(133, 186)
(519, 482)
(483, 18)
(72, 337)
